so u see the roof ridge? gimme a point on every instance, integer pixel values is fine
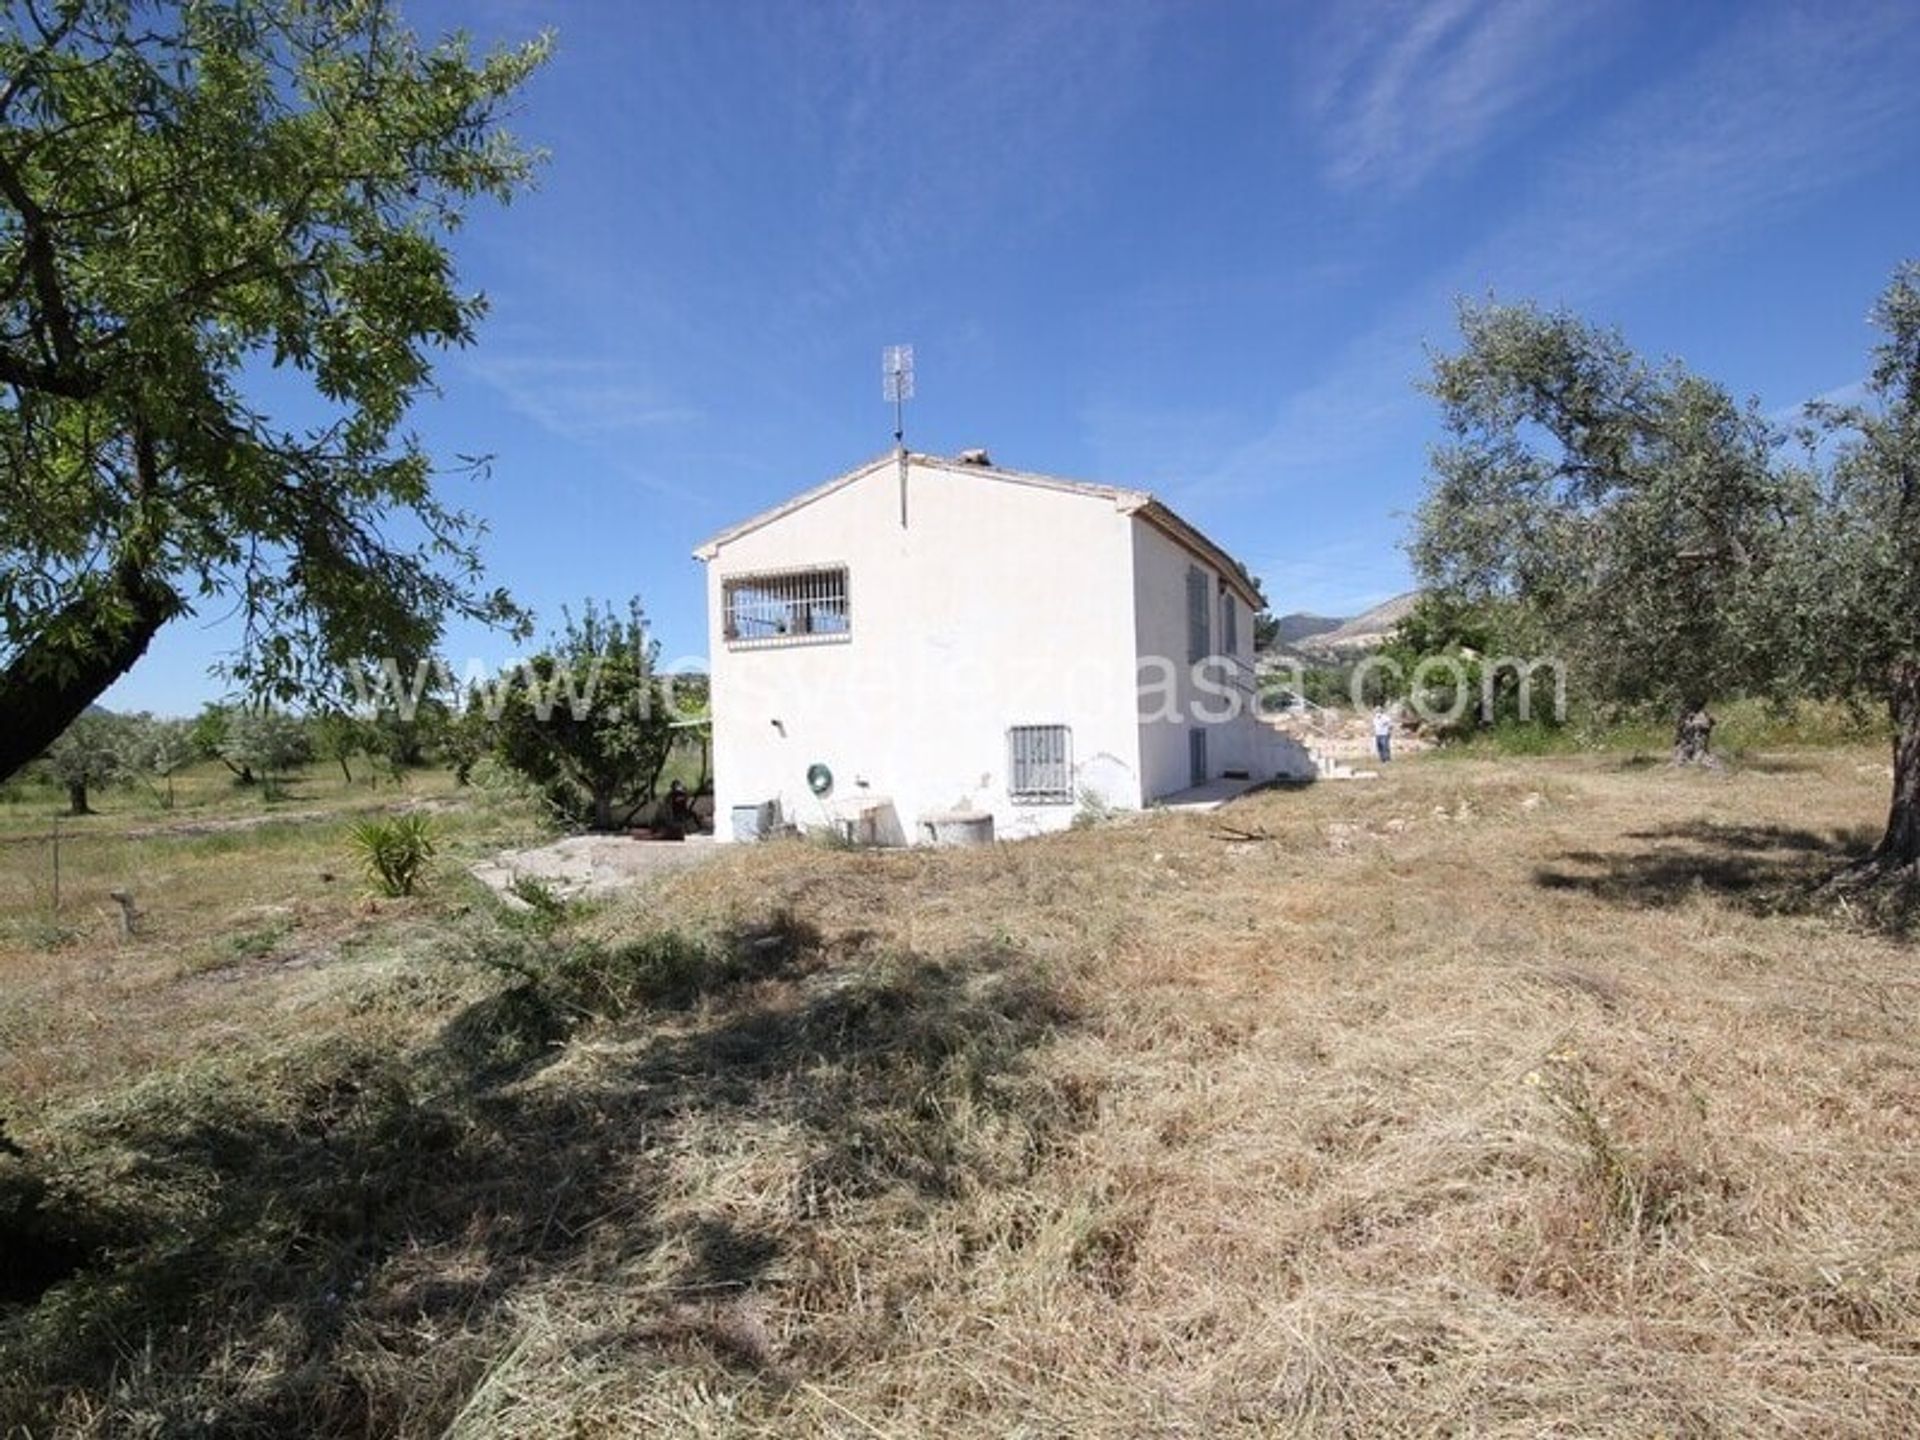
(1130, 500)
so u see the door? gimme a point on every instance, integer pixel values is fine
(1197, 755)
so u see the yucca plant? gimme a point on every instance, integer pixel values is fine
(394, 852)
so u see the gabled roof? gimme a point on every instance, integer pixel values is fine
(1128, 502)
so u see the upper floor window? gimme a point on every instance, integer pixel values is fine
(787, 607)
(1199, 638)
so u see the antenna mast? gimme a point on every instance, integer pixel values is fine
(896, 384)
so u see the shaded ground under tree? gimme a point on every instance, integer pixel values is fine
(238, 1245)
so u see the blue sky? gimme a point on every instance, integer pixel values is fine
(1198, 248)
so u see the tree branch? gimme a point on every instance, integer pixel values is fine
(37, 242)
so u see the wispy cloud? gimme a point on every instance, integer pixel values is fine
(578, 400)
(1399, 90)
(945, 127)
(600, 406)
(1786, 105)
(1792, 101)
(1852, 393)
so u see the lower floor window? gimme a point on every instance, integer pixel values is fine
(1040, 764)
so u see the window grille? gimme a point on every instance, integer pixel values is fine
(1041, 762)
(1198, 647)
(788, 607)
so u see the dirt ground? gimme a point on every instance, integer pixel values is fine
(590, 866)
(1491, 1097)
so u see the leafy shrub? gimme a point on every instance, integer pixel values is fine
(587, 722)
(394, 852)
(1092, 809)
(543, 902)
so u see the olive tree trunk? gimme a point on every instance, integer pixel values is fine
(1900, 846)
(1693, 735)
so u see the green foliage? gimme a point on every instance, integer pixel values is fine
(1470, 660)
(545, 906)
(572, 981)
(1092, 810)
(1648, 526)
(154, 749)
(189, 195)
(1330, 685)
(1634, 512)
(466, 739)
(212, 730)
(338, 736)
(90, 753)
(1859, 572)
(1857, 590)
(394, 851)
(589, 724)
(269, 743)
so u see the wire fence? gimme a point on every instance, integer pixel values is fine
(69, 874)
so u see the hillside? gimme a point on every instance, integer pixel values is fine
(1367, 631)
(1301, 625)
(1487, 1099)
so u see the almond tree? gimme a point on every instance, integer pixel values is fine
(190, 193)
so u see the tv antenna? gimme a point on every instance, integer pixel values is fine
(896, 384)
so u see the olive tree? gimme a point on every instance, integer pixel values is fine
(157, 749)
(1658, 531)
(1857, 590)
(1634, 512)
(88, 754)
(190, 194)
(266, 742)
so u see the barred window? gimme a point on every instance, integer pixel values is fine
(787, 607)
(1040, 765)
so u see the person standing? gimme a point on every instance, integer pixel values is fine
(1382, 733)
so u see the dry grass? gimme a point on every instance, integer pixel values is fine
(1487, 1098)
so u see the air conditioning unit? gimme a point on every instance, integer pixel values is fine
(756, 822)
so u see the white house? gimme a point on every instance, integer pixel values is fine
(924, 642)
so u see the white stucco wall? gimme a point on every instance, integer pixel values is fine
(997, 604)
(1160, 566)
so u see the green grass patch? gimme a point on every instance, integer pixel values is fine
(1745, 727)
